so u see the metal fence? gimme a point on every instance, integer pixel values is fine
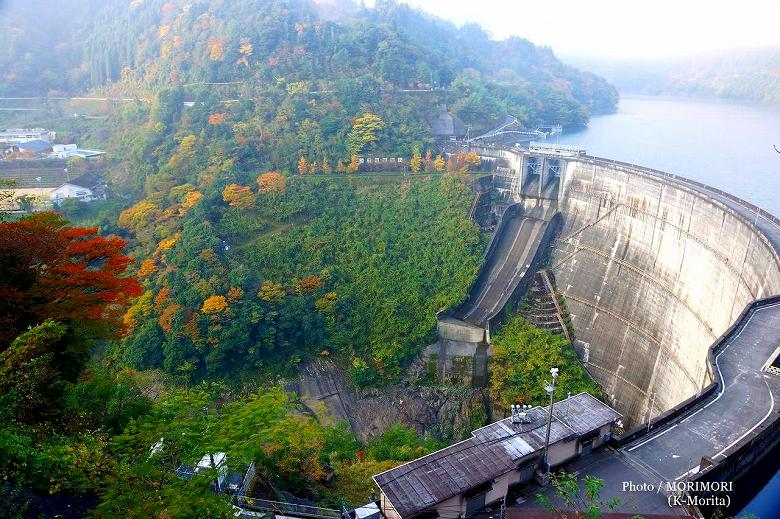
(283, 508)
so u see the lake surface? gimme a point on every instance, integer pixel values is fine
(725, 144)
(728, 145)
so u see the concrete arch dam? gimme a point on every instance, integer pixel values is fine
(653, 268)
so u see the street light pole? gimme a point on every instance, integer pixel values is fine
(550, 388)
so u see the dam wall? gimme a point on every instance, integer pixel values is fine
(653, 272)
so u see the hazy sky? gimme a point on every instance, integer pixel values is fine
(622, 28)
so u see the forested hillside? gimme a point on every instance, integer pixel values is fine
(254, 241)
(250, 263)
(149, 45)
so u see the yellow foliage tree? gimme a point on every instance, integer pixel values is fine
(364, 133)
(326, 169)
(416, 163)
(303, 167)
(167, 243)
(271, 292)
(137, 216)
(340, 167)
(183, 160)
(327, 303)
(472, 160)
(214, 305)
(439, 164)
(191, 198)
(272, 182)
(354, 164)
(238, 196)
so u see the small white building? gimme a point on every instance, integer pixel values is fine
(68, 190)
(66, 151)
(22, 135)
(86, 188)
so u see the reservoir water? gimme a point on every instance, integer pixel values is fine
(728, 145)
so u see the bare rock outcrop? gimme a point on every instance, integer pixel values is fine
(446, 413)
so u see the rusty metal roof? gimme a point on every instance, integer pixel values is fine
(491, 451)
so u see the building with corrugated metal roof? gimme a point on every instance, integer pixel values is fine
(465, 477)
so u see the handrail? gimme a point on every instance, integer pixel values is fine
(290, 508)
(558, 309)
(694, 402)
(680, 179)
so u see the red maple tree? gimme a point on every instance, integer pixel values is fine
(73, 275)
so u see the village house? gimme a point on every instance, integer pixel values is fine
(86, 188)
(44, 186)
(465, 477)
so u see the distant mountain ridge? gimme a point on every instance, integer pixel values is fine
(745, 74)
(143, 46)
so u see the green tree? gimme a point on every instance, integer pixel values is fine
(35, 369)
(578, 501)
(364, 133)
(522, 357)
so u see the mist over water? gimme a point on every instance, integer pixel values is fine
(725, 144)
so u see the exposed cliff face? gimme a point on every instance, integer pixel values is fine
(446, 413)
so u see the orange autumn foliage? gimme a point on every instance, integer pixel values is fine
(310, 284)
(214, 305)
(68, 274)
(167, 316)
(235, 294)
(147, 268)
(272, 182)
(217, 49)
(218, 118)
(161, 298)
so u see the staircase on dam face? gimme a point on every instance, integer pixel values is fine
(542, 308)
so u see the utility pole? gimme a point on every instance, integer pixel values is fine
(211, 455)
(550, 388)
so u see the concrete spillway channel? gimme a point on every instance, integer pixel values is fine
(515, 249)
(516, 252)
(654, 270)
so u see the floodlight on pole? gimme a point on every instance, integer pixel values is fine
(550, 388)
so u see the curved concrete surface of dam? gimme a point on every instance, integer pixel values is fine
(653, 269)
